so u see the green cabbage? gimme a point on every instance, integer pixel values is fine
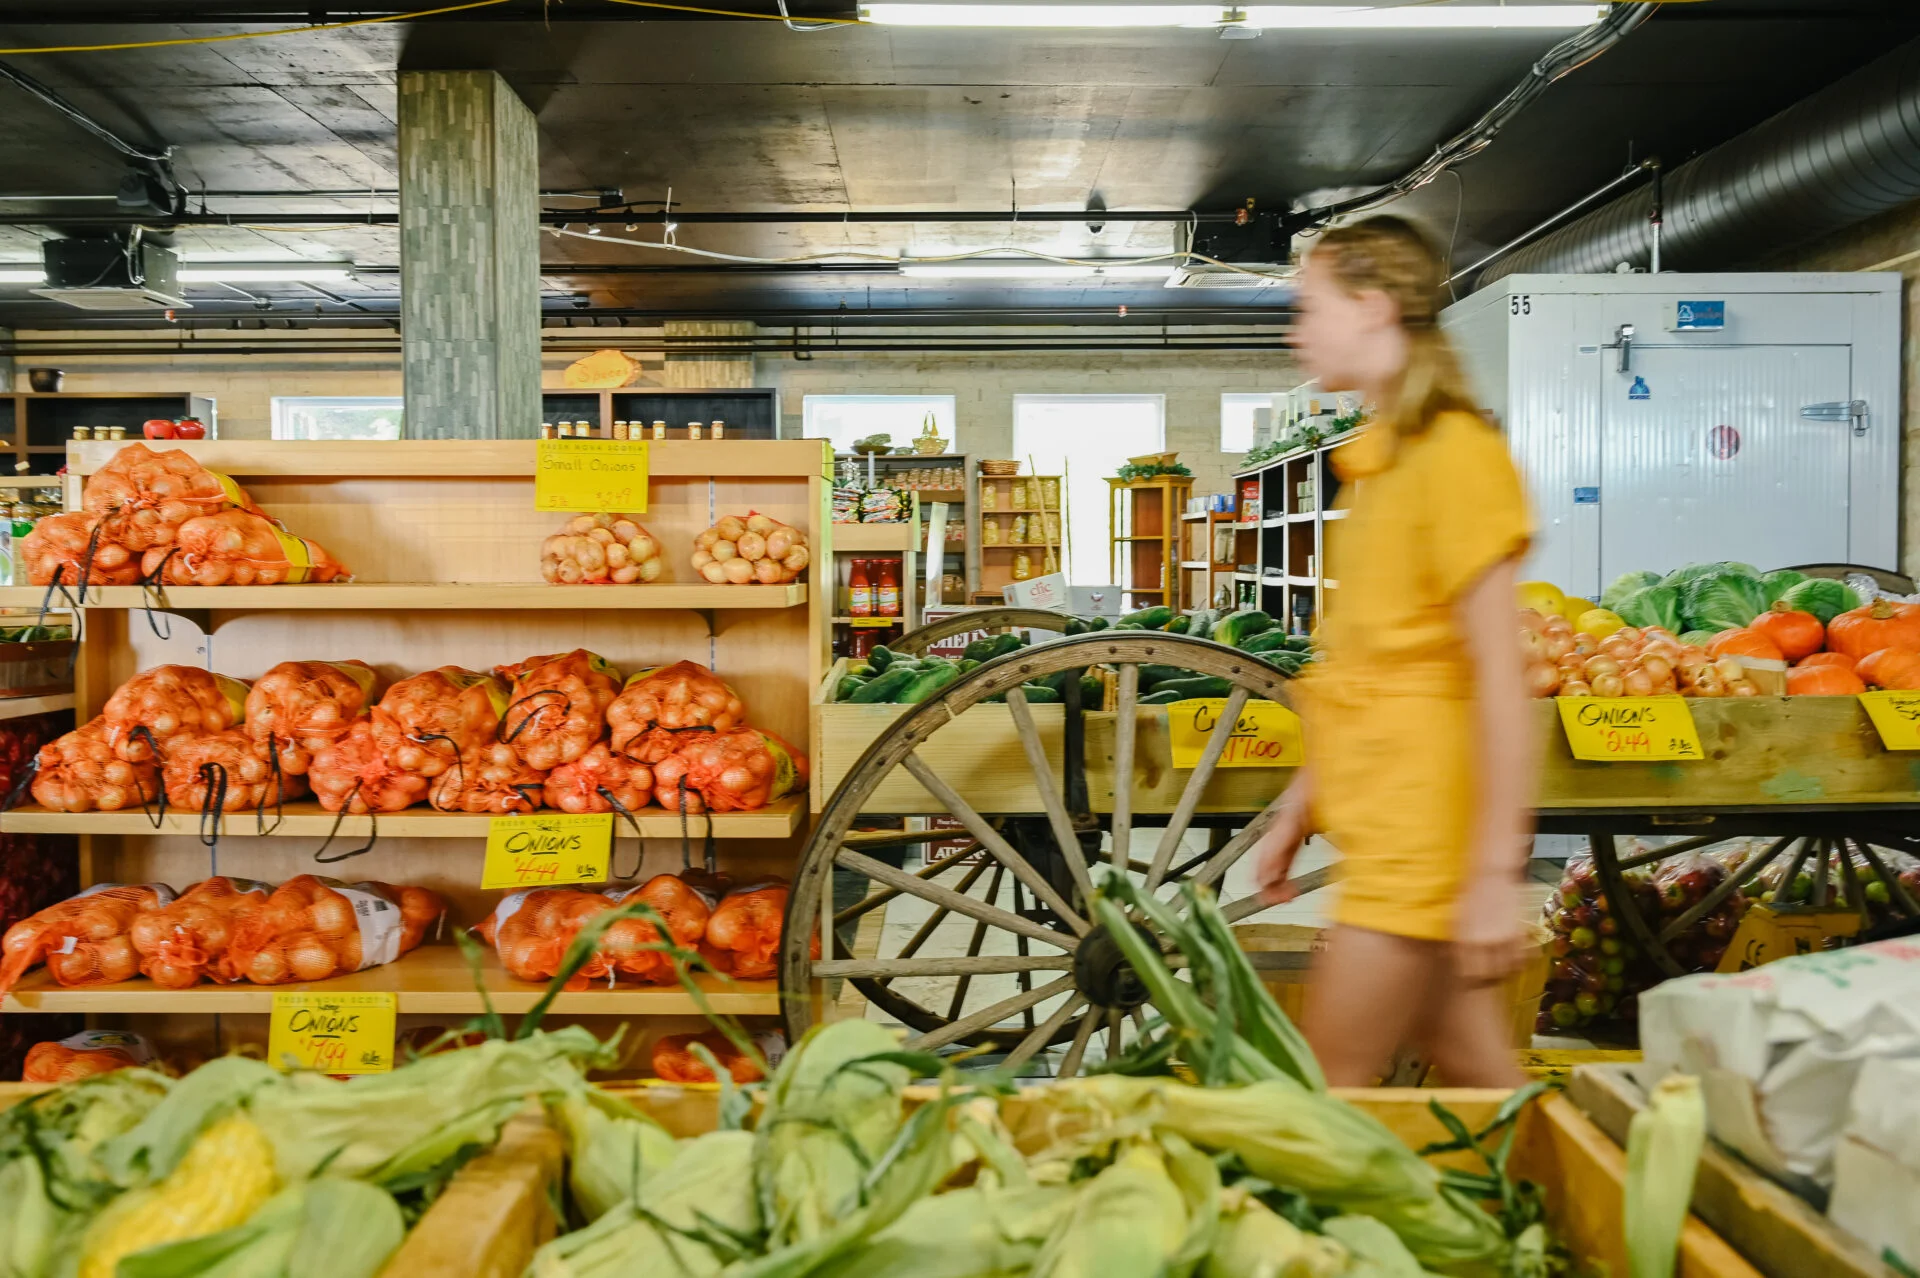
(1625, 585)
(1823, 598)
(1722, 601)
(1698, 638)
(1779, 581)
(1688, 572)
(1652, 606)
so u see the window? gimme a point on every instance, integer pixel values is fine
(845, 418)
(337, 416)
(1086, 438)
(1237, 411)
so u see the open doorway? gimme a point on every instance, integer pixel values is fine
(1086, 438)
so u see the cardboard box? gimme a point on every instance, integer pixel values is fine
(1876, 1180)
(1049, 590)
(1095, 601)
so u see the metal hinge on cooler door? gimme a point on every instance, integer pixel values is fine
(1839, 410)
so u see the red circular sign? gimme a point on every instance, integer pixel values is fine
(1723, 442)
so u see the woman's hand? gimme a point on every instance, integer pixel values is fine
(1274, 850)
(1489, 942)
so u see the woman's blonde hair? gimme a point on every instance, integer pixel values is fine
(1392, 255)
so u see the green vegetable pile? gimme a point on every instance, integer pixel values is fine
(1705, 599)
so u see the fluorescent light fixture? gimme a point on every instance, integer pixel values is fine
(1404, 17)
(20, 274)
(988, 268)
(260, 273)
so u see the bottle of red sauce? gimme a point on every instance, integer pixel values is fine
(886, 596)
(860, 583)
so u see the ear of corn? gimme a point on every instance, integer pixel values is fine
(1378, 1249)
(1129, 1221)
(1253, 1241)
(968, 1233)
(1663, 1153)
(327, 1228)
(224, 1176)
(612, 1149)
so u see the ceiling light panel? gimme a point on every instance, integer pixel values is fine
(1404, 17)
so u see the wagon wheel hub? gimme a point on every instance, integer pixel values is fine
(1102, 973)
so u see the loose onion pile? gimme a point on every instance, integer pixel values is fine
(602, 549)
(757, 549)
(1628, 662)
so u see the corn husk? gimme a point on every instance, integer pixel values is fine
(1130, 1221)
(1254, 1241)
(327, 1228)
(1663, 1154)
(967, 1233)
(612, 1149)
(1377, 1250)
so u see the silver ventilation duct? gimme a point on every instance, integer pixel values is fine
(1848, 152)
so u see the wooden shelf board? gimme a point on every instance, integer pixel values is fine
(21, 707)
(306, 819)
(868, 623)
(1303, 517)
(866, 538)
(1021, 545)
(383, 596)
(468, 458)
(1275, 522)
(949, 495)
(1197, 517)
(1195, 563)
(1303, 581)
(432, 980)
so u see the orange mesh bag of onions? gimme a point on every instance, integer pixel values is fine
(225, 772)
(597, 780)
(157, 704)
(531, 930)
(558, 706)
(737, 770)
(190, 938)
(743, 936)
(670, 699)
(239, 548)
(79, 772)
(425, 724)
(601, 549)
(84, 939)
(300, 707)
(84, 1055)
(143, 496)
(356, 775)
(674, 1060)
(629, 943)
(312, 928)
(752, 550)
(73, 550)
(490, 779)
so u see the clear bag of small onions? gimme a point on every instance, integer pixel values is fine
(602, 549)
(752, 550)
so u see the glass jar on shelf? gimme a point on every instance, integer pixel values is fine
(989, 497)
(989, 532)
(1051, 491)
(1019, 536)
(1022, 566)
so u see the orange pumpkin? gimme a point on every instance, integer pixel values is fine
(1744, 642)
(1880, 624)
(1827, 659)
(1796, 634)
(1891, 668)
(1823, 680)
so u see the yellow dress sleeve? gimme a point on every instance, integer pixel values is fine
(1477, 513)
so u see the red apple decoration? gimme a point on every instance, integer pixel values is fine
(189, 428)
(158, 428)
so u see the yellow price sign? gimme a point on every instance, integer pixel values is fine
(334, 1033)
(590, 475)
(1764, 935)
(1897, 717)
(1629, 729)
(1266, 736)
(545, 848)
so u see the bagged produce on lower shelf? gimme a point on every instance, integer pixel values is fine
(190, 937)
(491, 780)
(733, 771)
(79, 772)
(84, 1055)
(312, 928)
(224, 772)
(84, 939)
(743, 936)
(557, 707)
(356, 775)
(531, 929)
(69, 549)
(598, 780)
(304, 706)
(674, 1059)
(635, 946)
(682, 695)
(424, 724)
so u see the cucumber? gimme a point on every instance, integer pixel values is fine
(1149, 618)
(1097, 624)
(1039, 693)
(880, 658)
(1057, 681)
(1266, 641)
(1240, 627)
(1128, 625)
(847, 686)
(1159, 698)
(992, 646)
(883, 687)
(968, 666)
(1074, 626)
(1297, 643)
(1093, 691)
(927, 682)
(1197, 686)
(1203, 621)
(1153, 676)
(1179, 625)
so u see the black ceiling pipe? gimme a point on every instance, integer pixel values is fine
(640, 218)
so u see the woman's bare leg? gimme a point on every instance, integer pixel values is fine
(1369, 991)
(1468, 1034)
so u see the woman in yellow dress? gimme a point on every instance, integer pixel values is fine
(1420, 754)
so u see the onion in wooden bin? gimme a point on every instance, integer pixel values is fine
(754, 550)
(601, 549)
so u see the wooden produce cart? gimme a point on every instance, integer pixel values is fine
(1016, 809)
(444, 540)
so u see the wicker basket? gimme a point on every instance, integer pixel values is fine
(999, 469)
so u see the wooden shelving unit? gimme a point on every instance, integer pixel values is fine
(444, 541)
(35, 428)
(1146, 538)
(1287, 536)
(997, 556)
(958, 557)
(749, 412)
(884, 541)
(1202, 572)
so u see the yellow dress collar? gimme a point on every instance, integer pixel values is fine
(1369, 452)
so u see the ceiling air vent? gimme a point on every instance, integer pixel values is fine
(111, 275)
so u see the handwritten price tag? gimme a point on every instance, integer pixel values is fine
(1629, 729)
(546, 848)
(1897, 716)
(1267, 735)
(333, 1033)
(590, 475)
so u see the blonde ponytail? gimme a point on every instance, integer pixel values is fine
(1391, 255)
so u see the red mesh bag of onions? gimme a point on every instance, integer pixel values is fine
(144, 496)
(674, 1060)
(354, 773)
(657, 703)
(84, 1055)
(79, 772)
(157, 704)
(239, 548)
(531, 930)
(224, 771)
(490, 779)
(598, 779)
(305, 706)
(628, 943)
(734, 771)
(312, 928)
(84, 939)
(72, 549)
(427, 723)
(558, 706)
(743, 936)
(190, 938)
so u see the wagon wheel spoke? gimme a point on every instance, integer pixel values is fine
(965, 982)
(1023, 980)
(1822, 869)
(1082, 1035)
(987, 1017)
(1126, 716)
(1063, 832)
(1114, 1018)
(963, 966)
(1190, 797)
(1897, 893)
(1672, 849)
(932, 925)
(992, 840)
(1856, 895)
(1727, 887)
(933, 892)
(1792, 875)
(875, 900)
(1043, 1035)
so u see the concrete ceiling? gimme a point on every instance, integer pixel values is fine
(740, 115)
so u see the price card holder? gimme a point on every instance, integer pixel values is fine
(1629, 729)
(590, 475)
(1267, 735)
(333, 1033)
(546, 848)
(1896, 715)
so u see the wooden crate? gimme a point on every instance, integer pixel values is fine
(1779, 1232)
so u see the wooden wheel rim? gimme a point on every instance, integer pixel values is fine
(918, 641)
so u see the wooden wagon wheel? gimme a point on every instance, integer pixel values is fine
(1023, 878)
(916, 642)
(1868, 883)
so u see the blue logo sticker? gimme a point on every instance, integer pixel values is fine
(1639, 389)
(1700, 317)
(1586, 496)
